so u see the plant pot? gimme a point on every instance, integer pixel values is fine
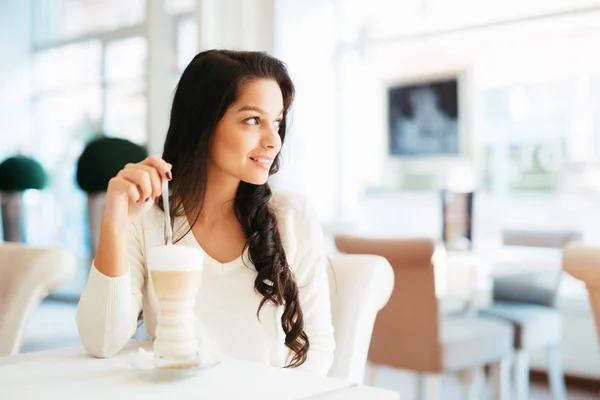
(96, 204)
(12, 216)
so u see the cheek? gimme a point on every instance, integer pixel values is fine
(230, 143)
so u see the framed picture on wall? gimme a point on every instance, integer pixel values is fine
(423, 118)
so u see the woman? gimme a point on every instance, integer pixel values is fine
(264, 296)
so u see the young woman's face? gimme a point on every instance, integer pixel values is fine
(246, 139)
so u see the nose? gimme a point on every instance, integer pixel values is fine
(270, 138)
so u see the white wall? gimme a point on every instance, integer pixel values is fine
(15, 76)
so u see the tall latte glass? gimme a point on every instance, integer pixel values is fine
(176, 273)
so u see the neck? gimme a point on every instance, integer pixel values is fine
(219, 200)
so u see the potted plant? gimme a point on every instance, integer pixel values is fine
(18, 174)
(101, 160)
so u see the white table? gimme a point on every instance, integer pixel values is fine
(359, 393)
(470, 275)
(468, 279)
(70, 373)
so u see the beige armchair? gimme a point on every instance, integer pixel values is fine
(27, 275)
(360, 286)
(583, 263)
(411, 334)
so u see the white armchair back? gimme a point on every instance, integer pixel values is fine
(27, 275)
(360, 286)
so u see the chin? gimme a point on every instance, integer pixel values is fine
(256, 180)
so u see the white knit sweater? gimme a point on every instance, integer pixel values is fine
(227, 303)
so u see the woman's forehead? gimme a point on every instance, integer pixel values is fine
(262, 94)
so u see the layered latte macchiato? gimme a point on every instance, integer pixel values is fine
(176, 273)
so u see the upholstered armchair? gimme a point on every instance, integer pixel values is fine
(27, 275)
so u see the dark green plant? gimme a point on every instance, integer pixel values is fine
(102, 159)
(20, 173)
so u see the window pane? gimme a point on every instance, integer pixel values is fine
(526, 128)
(533, 111)
(125, 114)
(126, 59)
(595, 116)
(67, 66)
(534, 165)
(56, 129)
(187, 42)
(63, 19)
(179, 6)
(59, 140)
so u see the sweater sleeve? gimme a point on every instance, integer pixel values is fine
(313, 285)
(108, 309)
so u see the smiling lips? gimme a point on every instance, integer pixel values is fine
(262, 161)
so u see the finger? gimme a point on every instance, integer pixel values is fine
(163, 167)
(155, 179)
(123, 186)
(141, 178)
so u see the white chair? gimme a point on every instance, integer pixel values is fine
(360, 286)
(27, 275)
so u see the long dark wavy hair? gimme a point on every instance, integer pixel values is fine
(210, 84)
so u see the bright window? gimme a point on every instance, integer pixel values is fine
(526, 128)
(57, 20)
(125, 89)
(63, 67)
(179, 6)
(90, 77)
(187, 42)
(126, 59)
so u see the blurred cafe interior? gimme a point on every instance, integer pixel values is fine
(458, 140)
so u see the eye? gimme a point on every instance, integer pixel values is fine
(253, 121)
(277, 123)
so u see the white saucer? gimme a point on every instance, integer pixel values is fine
(143, 363)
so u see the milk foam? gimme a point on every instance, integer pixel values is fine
(174, 258)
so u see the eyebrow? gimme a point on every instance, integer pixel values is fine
(257, 109)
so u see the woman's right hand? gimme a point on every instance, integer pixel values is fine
(134, 190)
